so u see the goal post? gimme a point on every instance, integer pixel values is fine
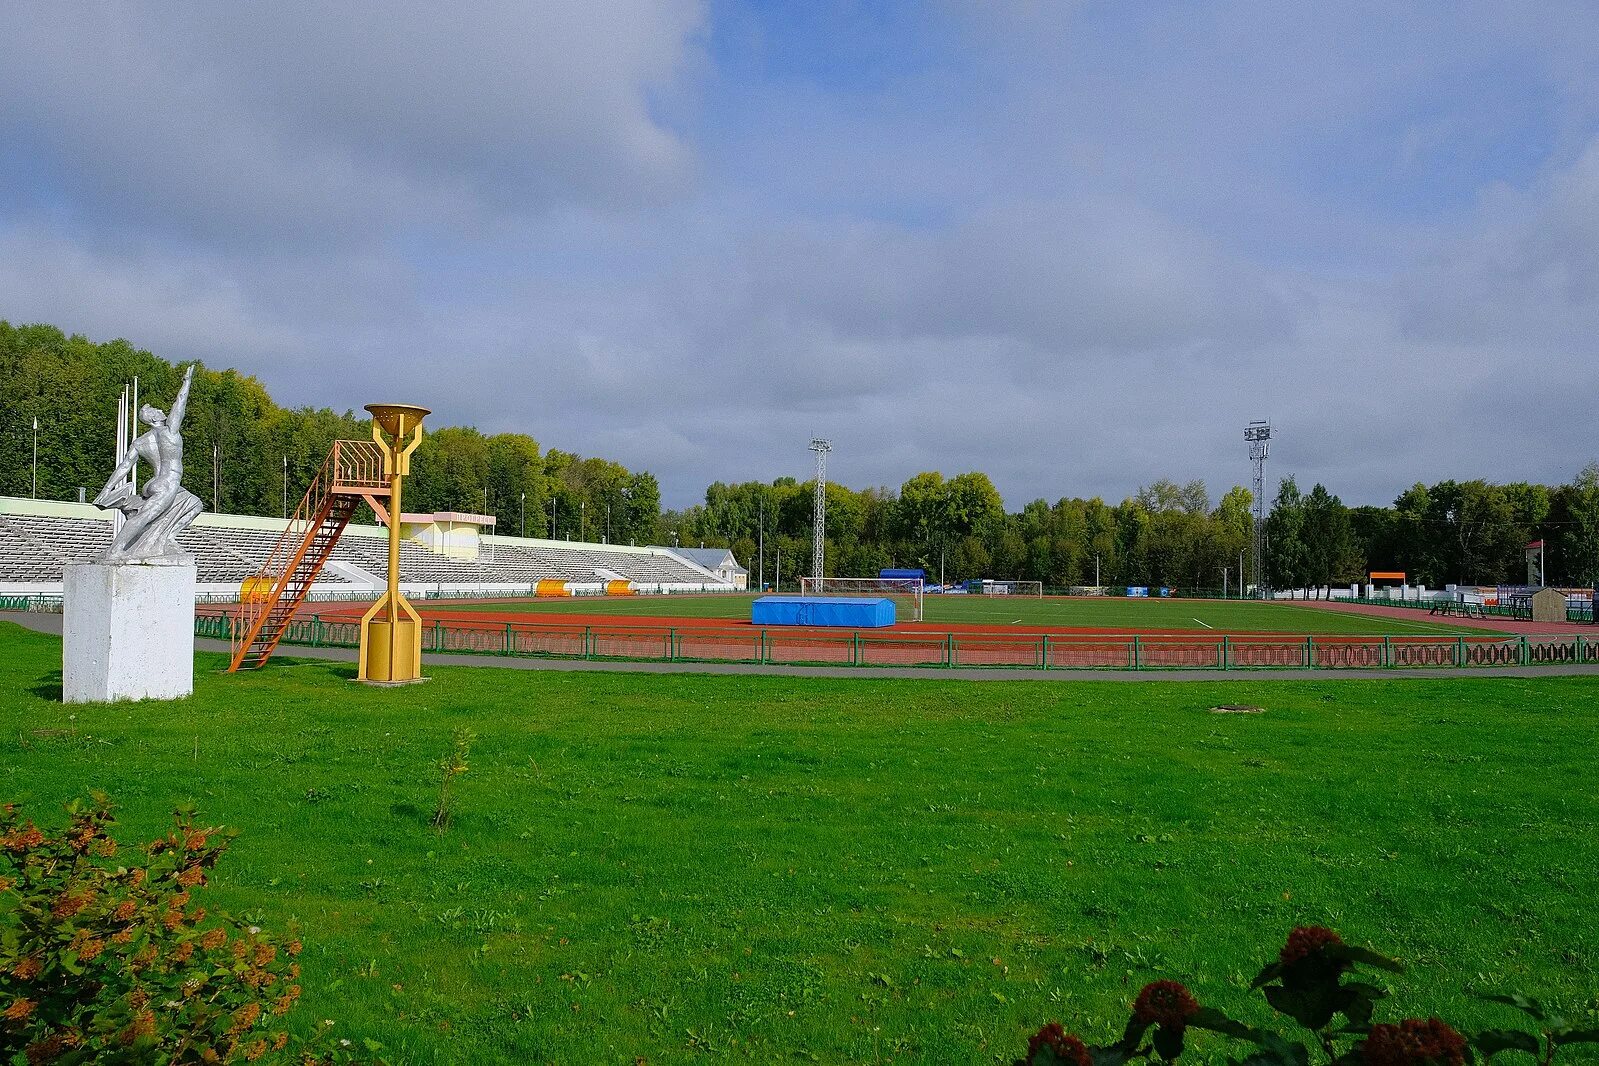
(906, 592)
(988, 587)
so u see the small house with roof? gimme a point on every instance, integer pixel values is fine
(719, 561)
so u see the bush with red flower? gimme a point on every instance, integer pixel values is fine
(1413, 1042)
(106, 955)
(1316, 982)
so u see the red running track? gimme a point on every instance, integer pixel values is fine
(564, 619)
(654, 637)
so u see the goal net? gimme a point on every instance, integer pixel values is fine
(1011, 588)
(906, 592)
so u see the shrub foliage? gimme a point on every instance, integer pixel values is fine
(1316, 983)
(106, 953)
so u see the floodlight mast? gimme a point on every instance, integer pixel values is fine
(1258, 434)
(821, 447)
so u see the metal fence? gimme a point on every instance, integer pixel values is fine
(38, 603)
(1575, 611)
(1026, 651)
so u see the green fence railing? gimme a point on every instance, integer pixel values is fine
(37, 602)
(1024, 651)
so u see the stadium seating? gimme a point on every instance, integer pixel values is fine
(34, 547)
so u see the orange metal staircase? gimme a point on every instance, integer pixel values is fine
(353, 472)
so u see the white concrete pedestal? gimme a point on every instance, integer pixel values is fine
(128, 631)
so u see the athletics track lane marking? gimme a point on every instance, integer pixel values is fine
(1206, 625)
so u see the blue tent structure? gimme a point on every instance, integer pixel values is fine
(846, 612)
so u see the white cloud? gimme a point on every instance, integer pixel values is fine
(308, 121)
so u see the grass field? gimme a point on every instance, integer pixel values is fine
(682, 868)
(1235, 616)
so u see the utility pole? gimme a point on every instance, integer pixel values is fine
(607, 521)
(285, 486)
(582, 520)
(36, 457)
(760, 549)
(552, 516)
(1096, 570)
(1224, 582)
(216, 478)
(521, 524)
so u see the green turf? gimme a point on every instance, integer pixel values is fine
(1236, 616)
(776, 869)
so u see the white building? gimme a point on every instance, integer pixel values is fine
(719, 561)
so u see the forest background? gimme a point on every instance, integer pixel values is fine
(247, 455)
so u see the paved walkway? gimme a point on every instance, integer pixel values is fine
(51, 623)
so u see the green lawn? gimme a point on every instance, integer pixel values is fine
(1238, 616)
(691, 867)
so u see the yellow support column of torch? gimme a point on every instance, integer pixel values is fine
(391, 646)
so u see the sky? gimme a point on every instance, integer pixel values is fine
(1074, 245)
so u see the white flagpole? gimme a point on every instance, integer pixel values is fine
(133, 429)
(121, 449)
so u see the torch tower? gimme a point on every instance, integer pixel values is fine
(821, 447)
(391, 645)
(1258, 434)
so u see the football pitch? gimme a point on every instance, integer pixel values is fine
(677, 868)
(1105, 614)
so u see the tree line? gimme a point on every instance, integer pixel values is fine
(1166, 534)
(246, 455)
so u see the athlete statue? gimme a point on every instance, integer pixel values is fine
(164, 508)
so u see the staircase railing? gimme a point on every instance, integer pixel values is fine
(280, 584)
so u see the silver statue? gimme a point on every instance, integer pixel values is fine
(156, 515)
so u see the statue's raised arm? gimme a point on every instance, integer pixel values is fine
(182, 402)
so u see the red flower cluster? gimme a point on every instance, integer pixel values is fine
(1166, 1003)
(25, 838)
(1066, 1046)
(68, 903)
(1414, 1042)
(1305, 941)
(50, 1048)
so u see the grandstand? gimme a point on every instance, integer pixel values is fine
(39, 537)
